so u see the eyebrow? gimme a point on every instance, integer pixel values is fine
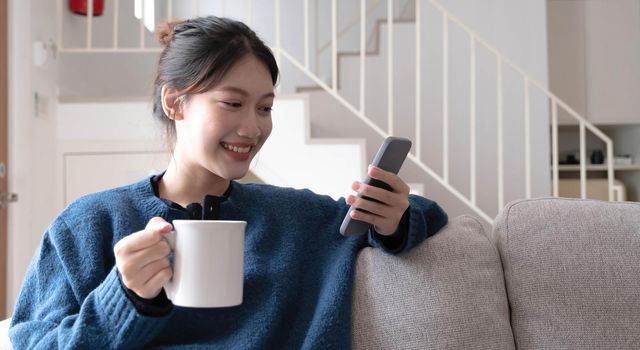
(243, 92)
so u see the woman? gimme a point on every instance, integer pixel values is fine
(96, 280)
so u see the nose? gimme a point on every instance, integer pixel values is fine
(249, 126)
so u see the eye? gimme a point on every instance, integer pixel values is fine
(266, 109)
(232, 104)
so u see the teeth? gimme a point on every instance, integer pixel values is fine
(236, 149)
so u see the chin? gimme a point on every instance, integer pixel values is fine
(232, 175)
(227, 170)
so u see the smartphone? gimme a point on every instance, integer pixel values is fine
(390, 157)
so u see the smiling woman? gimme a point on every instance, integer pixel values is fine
(97, 280)
(219, 131)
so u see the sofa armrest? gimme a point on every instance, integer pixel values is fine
(5, 343)
(447, 293)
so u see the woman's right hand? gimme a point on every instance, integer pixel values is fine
(142, 259)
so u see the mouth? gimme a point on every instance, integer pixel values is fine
(238, 151)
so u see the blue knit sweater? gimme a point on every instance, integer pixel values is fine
(298, 275)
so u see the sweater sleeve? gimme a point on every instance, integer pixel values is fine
(57, 309)
(424, 218)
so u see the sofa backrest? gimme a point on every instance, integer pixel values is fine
(447, 293)
(572, 272)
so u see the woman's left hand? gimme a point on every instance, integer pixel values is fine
(386, 215)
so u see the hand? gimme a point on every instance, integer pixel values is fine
(385, 216)
(142, 259)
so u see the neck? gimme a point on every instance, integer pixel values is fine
(184, 185)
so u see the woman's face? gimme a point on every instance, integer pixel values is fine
(222, 129)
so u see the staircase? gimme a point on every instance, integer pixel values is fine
(374, 117)
(326, 113)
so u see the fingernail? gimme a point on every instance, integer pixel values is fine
(356, 185)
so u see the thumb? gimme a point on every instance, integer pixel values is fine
(158, 224)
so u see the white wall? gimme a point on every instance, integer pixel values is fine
(595, 64)
(517, 28)
(31, 155)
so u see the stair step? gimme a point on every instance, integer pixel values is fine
(349, 62)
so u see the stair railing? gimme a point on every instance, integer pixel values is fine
(501, 61)
(360, 112)
(556, 102)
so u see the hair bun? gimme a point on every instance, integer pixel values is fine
(166, 30)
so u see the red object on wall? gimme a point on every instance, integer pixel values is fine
(81, 7)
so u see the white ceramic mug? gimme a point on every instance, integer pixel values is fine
(208, 263)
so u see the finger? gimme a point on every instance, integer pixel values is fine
(389, 178)
(381, 195)
(368, 205)
(154, 285)
(382, 225)
(158, 223)
(151, 269)
(151, 235)
(136, 278)
(373, 192)
(370, 218)
(143, 257)
(389, 216)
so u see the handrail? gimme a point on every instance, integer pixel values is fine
(352, 23)
(501, 61)
(382, 133)
(528, 79)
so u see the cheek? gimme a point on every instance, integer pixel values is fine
(266, 128)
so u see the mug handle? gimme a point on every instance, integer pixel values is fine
(169, 287)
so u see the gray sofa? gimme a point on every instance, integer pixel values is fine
(552, 274)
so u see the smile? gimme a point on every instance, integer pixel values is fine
(236, 148)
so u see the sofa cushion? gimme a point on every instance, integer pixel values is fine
(447, 293)
(572, 271)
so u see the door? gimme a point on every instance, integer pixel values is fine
(4, 142)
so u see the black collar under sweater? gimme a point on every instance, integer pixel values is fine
(209, 209)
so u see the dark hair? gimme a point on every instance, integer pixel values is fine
(197, 53)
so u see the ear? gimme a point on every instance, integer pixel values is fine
(170, 103)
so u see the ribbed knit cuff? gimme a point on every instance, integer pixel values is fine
(426, 218)
(130, 329)
(154, 307)
(395, 243)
